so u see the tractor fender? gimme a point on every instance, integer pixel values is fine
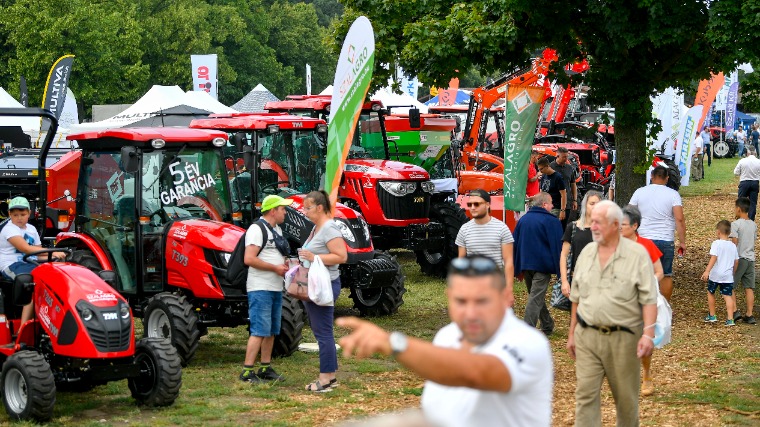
(68, 239)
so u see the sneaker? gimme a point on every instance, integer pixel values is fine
(249, 376)
(750, 320)
(268, 373)
(730, 322)
(737, 316)
(710, 319)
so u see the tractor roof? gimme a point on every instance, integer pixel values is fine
(311, 103)
(168, 134)
(257, 121)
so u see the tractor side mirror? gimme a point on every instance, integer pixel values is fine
(458, 126)
(108, 276)
(239, 141)
(129, 159)
(23, 287)
(414, 118)
(248, 157)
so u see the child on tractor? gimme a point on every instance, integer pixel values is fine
(17, 239)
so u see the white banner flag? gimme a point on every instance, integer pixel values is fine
(408, 86)
(722, 96)
(204, 73)
(667, 107)
(308, 79)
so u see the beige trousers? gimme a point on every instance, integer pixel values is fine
(613, 356)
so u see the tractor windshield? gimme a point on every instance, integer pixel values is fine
(292, 159)
(185, 182)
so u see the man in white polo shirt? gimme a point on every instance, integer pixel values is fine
(486, 368)
(748, 171)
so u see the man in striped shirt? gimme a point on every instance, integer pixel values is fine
(487, 236)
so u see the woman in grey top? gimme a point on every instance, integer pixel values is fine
(326, 241)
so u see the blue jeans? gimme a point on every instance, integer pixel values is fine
(18, 267)
(321, 321)
(667, 247)
(264, 313)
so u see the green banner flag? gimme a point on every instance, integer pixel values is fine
(523, 104)
(352, 78)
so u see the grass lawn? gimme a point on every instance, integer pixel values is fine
(708, 376)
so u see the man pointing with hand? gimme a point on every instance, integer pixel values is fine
(485, 368)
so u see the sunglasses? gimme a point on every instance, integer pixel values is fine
(474, 204)
(473, 266)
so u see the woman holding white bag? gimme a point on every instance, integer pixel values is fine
(326, 241)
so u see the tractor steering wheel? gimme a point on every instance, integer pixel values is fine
(27, 257)
(272, 188)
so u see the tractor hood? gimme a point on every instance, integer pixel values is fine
(207, 234)
(353, 227)
(72, 282)
(341, 211)
(384, 170)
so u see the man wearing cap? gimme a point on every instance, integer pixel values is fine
(17, 239)
(487, 236)
(264, 285)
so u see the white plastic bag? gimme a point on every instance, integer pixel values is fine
(320, 286)
(664, 323)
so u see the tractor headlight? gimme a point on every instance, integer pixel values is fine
(428, 186)
(365, 227)
(399, 189)
(124, 311)
(345, 230)
(86, 314)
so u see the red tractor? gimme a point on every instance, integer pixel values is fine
(82, 332)
(397, 197)
(153, 205)
(283, 154)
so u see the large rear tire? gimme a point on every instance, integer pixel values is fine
(171, 317)
(452, 216)
(381, 301)
(28, 387)
(291, 329)
(160, 373)
(721, 149)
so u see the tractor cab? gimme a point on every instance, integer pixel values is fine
(136, 185)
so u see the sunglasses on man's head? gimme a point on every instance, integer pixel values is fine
(473, 266)
(475, 204)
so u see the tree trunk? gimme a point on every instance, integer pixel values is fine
(630, 145)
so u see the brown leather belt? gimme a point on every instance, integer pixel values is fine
(605, 330)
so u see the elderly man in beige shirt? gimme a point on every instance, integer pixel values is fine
(614, 307)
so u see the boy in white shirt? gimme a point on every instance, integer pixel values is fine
(17, 239)
(724, 258)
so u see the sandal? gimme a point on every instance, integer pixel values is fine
(317, 387)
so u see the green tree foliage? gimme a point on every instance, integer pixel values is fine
(634, 48)
(750, 86)
(123, 47)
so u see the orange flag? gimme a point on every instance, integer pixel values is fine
(708, 90)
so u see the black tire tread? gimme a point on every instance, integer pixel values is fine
(185, 332)
(40, 385)
(452, 216)
(391, 298)
(169, 375)
(291, 330)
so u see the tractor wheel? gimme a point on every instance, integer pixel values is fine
(28, 387)
(452, 217)
(381, 301)
(721, 149)
(293, 317)
(171, 317)
(86, 259)
(674, 176)
(160, 373)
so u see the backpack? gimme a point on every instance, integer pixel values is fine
(237, 271)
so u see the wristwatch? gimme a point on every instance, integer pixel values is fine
(398, 343)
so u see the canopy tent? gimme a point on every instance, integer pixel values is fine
(180, 115)
(255, 100)
(327, 91)
(743, 120)
(463, 97)
(155, 102)
(31, 125)
(392, 99)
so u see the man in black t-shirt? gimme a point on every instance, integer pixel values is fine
(569, 175)
(552, 183)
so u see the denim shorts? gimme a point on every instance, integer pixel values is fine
(18, 267)
(667, 247)
(726, 289)
(264, 313)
